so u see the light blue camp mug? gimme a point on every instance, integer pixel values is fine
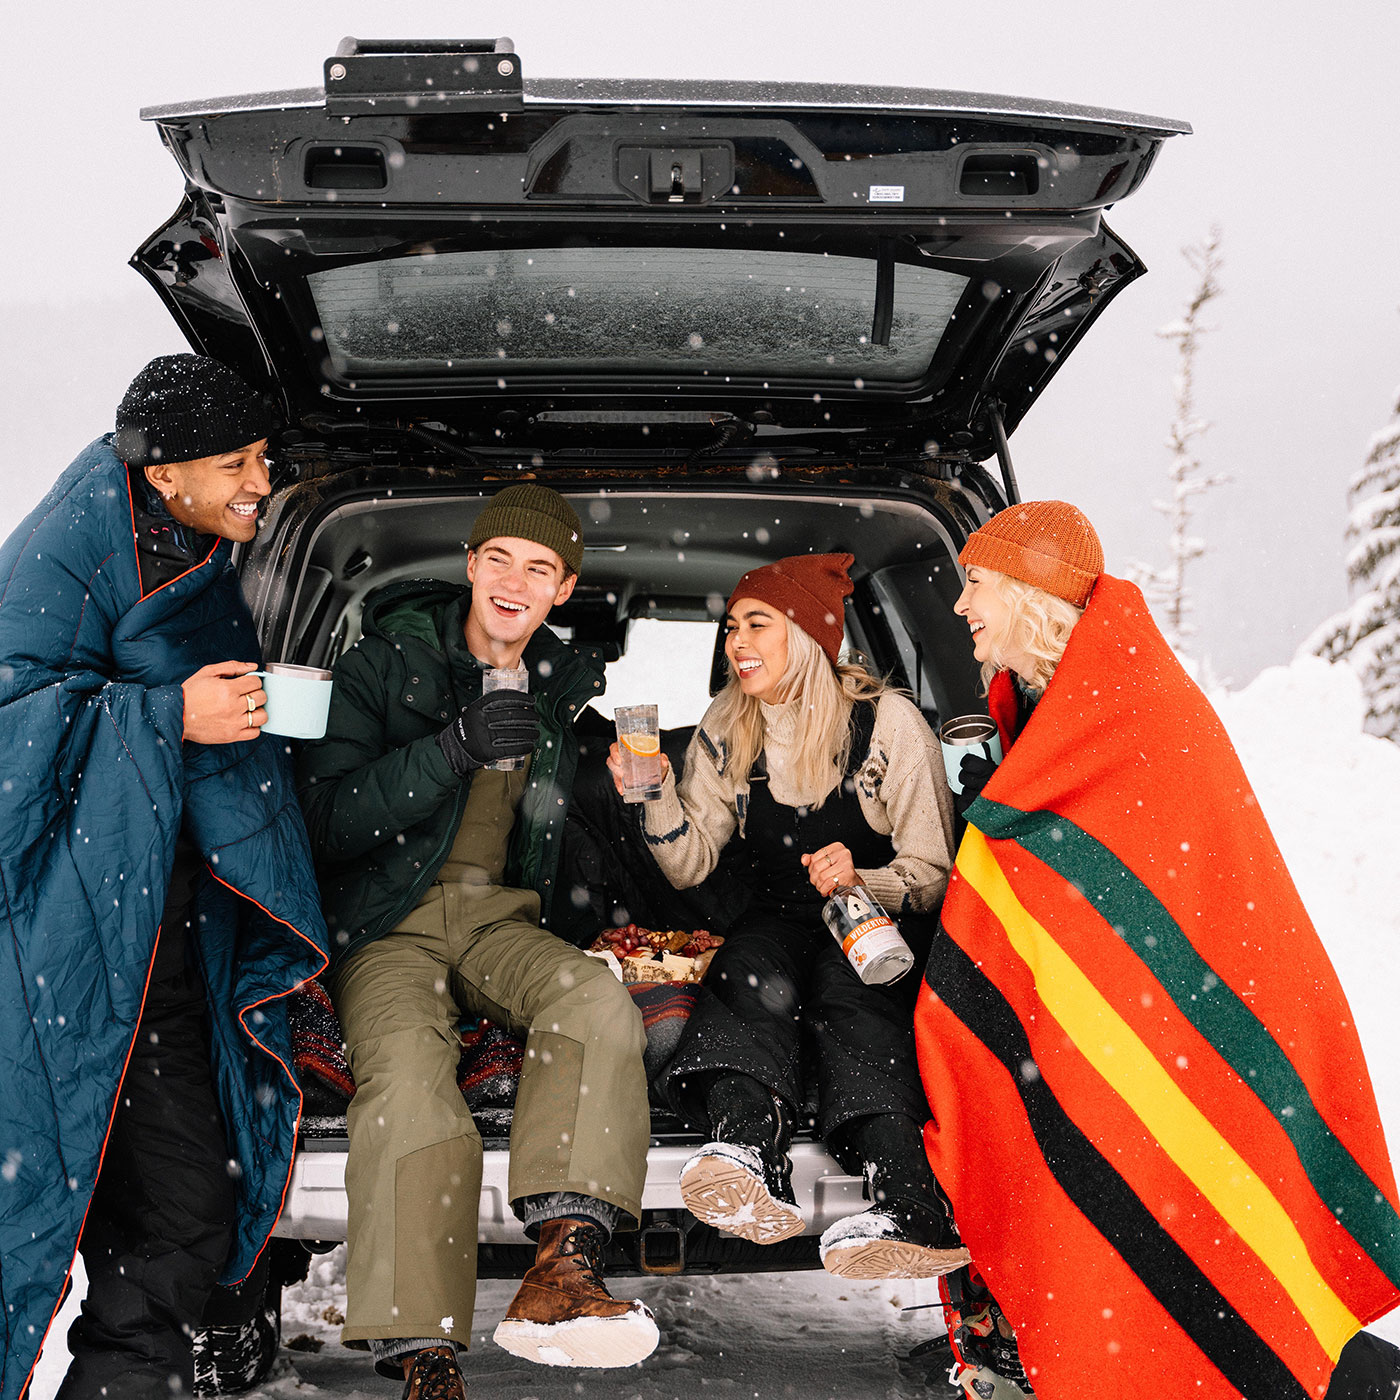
(965, 734)
(298, 699)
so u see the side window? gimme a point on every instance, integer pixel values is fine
(667, 663)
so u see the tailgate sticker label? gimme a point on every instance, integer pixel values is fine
(887, 194)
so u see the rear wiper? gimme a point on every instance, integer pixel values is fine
(730, 432)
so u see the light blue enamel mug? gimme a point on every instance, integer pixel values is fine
(965, 734)
(298, 699)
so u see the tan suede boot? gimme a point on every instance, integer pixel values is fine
(433, 1374)
(564, 1316)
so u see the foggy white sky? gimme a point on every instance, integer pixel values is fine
(1295, 109)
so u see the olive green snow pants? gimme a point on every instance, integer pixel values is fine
(414, 1176)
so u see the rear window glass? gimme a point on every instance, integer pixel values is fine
(733, 311)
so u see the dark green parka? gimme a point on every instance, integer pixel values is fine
(382, 804)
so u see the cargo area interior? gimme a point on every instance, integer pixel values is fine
(658, 567)
(660, 559)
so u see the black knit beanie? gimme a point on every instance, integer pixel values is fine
(532, 512)
(185, 406)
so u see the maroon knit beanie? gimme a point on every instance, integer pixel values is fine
(808, 588)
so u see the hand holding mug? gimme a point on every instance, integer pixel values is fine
(224, 703)
(966, 736)
(974, 773)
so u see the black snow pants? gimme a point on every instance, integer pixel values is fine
(782, 1005)
(1368, 1369)
(160, 1224)
(780, 995)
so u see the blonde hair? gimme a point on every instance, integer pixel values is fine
(1038, 626)
(822, 745)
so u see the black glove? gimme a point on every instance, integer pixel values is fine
(498, 724)
(973, 773)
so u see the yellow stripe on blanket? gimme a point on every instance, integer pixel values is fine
(1182, 1130)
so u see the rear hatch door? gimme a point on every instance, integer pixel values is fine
(428, 239)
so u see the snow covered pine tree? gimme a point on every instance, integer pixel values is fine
(1367, 634)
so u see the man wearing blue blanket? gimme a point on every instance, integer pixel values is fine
(156, 891)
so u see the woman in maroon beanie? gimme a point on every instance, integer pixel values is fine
(830, 778)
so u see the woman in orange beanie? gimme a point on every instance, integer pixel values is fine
(1149, 1102)
(829, 778)
(1029, 573)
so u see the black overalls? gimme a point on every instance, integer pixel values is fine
(780, 1002)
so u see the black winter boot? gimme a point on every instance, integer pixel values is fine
(742, 1181)
(909, 1231)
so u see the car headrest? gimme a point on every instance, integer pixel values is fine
(719, 664)
(594, 622)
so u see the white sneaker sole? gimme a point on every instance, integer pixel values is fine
(891, 1259)
(721, 1193)
(594, 1342)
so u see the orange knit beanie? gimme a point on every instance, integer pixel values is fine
(1046, 543)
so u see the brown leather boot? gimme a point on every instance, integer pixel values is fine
(433, 1374)
(564, 1316)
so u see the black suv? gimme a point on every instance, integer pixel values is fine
(729, 321)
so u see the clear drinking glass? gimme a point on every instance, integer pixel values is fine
(639, 743)
(504, 678)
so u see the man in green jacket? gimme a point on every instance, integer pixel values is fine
(438, 866)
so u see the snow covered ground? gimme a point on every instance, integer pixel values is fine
(1332, 796)
(804, 1334)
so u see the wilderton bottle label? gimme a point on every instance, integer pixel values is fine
(867, 935)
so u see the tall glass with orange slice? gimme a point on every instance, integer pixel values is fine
(639, 743)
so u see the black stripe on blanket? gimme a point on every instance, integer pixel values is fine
(1106, 1200)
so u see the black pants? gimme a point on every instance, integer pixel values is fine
(158, 1229)
(1368, 1369)
(780, 987)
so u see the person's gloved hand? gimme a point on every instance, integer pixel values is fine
(973, 773)
(498, 724)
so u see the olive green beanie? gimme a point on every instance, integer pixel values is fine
(529, 511)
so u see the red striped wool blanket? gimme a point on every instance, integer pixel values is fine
(1149, 1102)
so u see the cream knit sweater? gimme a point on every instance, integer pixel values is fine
(901, 787)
